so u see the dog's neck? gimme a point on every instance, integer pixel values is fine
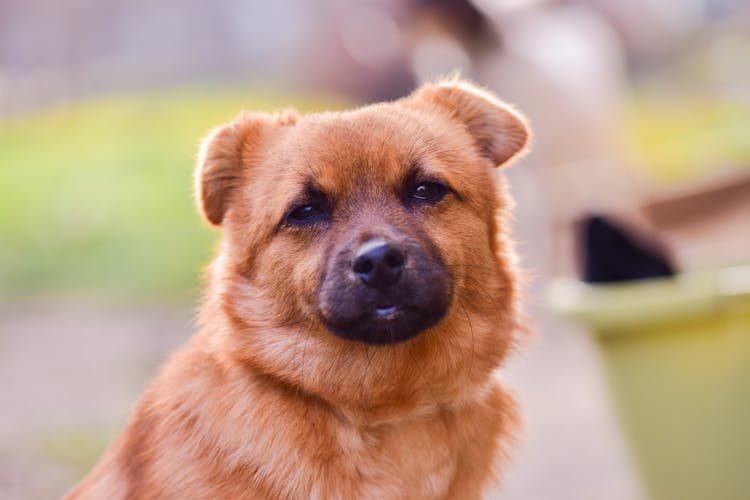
(362, 412)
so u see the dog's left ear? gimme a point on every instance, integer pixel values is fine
(499, 131)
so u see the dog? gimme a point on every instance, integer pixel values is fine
(363, 295)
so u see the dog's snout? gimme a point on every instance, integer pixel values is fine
(379, 263)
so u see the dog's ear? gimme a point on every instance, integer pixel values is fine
(499, 131)
(225, 156)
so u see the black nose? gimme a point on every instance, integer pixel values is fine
(378, 263)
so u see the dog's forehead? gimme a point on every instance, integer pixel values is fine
(344, 150)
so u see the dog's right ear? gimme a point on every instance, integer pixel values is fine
(225, 156)
(500, 132)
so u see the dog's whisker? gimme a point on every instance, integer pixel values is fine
(471, 330)
(367, 373)
(426, 381)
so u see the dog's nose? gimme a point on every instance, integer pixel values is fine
(379, 263)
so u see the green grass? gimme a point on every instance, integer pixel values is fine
(96, 197)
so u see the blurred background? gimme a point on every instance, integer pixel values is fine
(633, 214)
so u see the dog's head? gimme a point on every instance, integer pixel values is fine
(365, 241)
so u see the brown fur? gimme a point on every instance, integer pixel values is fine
(264, 401)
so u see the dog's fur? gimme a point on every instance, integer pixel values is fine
(285, 392)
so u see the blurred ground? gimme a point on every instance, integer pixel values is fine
(59, 412)
(73, 370)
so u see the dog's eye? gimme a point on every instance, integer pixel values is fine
(305, 214)
(429, 191)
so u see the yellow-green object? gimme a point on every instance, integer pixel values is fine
(677, 355)
(680, 137)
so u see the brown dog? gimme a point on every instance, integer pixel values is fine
(362, 297)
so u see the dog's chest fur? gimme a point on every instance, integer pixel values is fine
(413, 457)
(406, 451)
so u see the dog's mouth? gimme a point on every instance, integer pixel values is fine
(386, 312)
(382, 321)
